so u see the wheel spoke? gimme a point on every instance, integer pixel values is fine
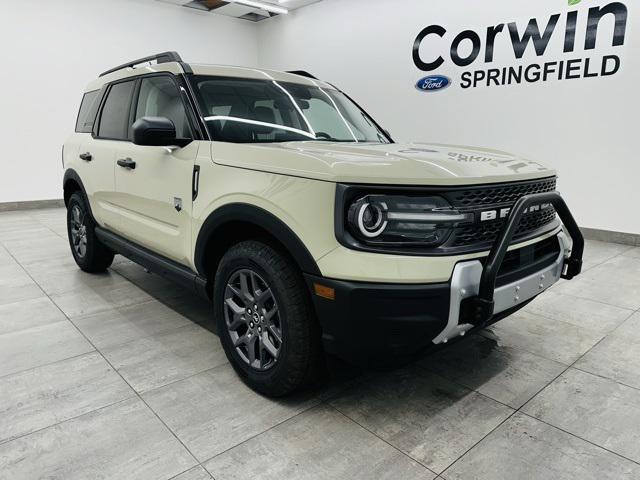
(270, 314)
(244, 287)
(263, 296)
(254, 287)
(268, 345)
(275, 332)
(76, 215)
(243, 340)
(237, 312)
(235, 308)
(251, 349)
(235, 291)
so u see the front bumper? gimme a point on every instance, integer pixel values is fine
(369, 323)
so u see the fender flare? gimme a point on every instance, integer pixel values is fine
(71, 174)
(260, 217)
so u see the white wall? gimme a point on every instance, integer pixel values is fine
(586, 128)
(52, 49)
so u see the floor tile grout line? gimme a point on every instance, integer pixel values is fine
(75, 417)
(129, 342)
(593, 300)
(190, 376)
(519, 409)
(381, 439)
(610, 258)
(138, 395)
(581, 298)
(606, 334)
(457, 383)
(111, 365)
(26, 370)
(133, 390)
(515, 411)
(579, 437)
(189, 469)
(2, 305)
(316, 405)
(605, 378)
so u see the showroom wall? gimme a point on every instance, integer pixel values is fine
(73, 41)
(583, 123)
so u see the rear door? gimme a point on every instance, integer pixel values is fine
(97, 154)
(155, 197)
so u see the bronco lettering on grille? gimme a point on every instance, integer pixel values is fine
(500, 213)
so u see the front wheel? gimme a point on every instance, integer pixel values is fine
(88, 252)
(265, 319)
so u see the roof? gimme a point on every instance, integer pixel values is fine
(172, 63)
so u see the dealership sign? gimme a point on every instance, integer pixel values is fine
(536, 35)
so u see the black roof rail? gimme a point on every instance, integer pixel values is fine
(164, 57)
(302, 73)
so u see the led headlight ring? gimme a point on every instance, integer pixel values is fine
(371, 219)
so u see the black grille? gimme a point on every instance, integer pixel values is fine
(501, 196)
(488, 233)
(527, 260)
(498, 195)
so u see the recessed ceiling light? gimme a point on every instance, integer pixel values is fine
(264, 6)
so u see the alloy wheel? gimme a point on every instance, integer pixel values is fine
(253, 320)
(78, 231)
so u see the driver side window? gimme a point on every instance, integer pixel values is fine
(160, 97)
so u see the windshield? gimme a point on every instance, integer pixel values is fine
(243, 110)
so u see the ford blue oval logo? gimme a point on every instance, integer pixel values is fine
(433, 83)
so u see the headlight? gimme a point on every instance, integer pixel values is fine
(388, 220)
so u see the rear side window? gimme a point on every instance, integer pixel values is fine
(114, 121)
(87, 113)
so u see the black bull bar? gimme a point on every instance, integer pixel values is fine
(478, 310)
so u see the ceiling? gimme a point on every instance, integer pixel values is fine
(236, 8)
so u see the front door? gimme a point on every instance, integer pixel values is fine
(154, 184)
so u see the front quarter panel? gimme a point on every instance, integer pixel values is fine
(305, 206)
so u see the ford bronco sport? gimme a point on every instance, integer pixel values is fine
(280, 199)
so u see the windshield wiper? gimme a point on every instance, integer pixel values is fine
(325, 139)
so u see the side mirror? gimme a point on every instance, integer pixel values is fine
(154, 132)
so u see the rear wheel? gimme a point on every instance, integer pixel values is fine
(89, 253)
(265, 319)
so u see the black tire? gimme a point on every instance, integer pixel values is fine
(299, 361)
(94, 256)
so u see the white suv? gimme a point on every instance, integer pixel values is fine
(278, 197)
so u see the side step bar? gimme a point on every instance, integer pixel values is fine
(153, 262)
(478, 310)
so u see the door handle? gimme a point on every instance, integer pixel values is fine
(127, 163)
(86, 157)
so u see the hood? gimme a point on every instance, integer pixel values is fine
(400, 164)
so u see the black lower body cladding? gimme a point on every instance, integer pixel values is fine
(370, 324)
(375, 324)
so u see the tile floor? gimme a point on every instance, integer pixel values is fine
(120, 376)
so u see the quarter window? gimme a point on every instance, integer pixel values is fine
(114, 122)
(87, 113)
